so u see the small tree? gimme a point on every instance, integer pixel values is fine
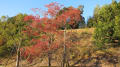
(44, 34)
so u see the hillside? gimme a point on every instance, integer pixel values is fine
(84, 36)
(85, 40)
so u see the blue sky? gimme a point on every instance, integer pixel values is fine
(13, 7)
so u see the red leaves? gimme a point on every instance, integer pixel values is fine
(45, 32)
(73, 13)
(34, 50)
(53, 9)
(44, 37)
(29, 18)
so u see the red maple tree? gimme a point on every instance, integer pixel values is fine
(44, 31)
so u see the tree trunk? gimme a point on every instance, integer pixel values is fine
(67, 63)
(18, 54)
(97, 63)
(114, 65)
(49, 52)
(18, 57)
(49, 59)
(63, 61)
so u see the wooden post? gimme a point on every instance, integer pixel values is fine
(64, 54)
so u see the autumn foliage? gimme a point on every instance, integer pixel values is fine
(74, 15)
(44, 31)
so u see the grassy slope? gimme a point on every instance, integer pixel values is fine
(85, 36)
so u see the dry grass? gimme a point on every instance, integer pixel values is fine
(85, 35)
(89, 30)
(84, 38)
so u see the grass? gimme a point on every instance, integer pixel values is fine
(84, 37)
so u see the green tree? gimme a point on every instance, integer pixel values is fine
(4, 18)
(107, 29)
(90, 22)
(10, 34)
(93, 21)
